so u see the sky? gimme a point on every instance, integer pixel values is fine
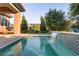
(35, 10)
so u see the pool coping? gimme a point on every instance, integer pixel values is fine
(34, 35)
(65, 32)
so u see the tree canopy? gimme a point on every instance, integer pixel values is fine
(55, 19)
(74, 9)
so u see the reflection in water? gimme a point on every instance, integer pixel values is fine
(24, 42)
(43, 41)
(49, 51)
(4, 52)
(17, 48)
(21, 47)
(12, 49)
(46, 47)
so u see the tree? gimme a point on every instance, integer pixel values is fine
(24, 25)
(74, 12)
(68, 25)
(55, 20)
(74, 9)
(42, 25)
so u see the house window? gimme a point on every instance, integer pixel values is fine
(5, 22)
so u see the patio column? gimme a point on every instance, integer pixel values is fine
(17, 23)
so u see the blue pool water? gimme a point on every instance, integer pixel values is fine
(35, 46)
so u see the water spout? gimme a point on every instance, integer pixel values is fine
(53, 36)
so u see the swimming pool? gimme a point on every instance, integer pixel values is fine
(35, 46)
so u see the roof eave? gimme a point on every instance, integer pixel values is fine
(9, 16)
(19, 6)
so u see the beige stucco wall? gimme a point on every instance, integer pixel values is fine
(17, 18)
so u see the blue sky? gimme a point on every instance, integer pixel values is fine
(35, 10)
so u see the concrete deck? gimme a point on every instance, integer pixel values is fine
(6, 41)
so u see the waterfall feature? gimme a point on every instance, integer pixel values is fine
(53, 36)
(65, 43)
